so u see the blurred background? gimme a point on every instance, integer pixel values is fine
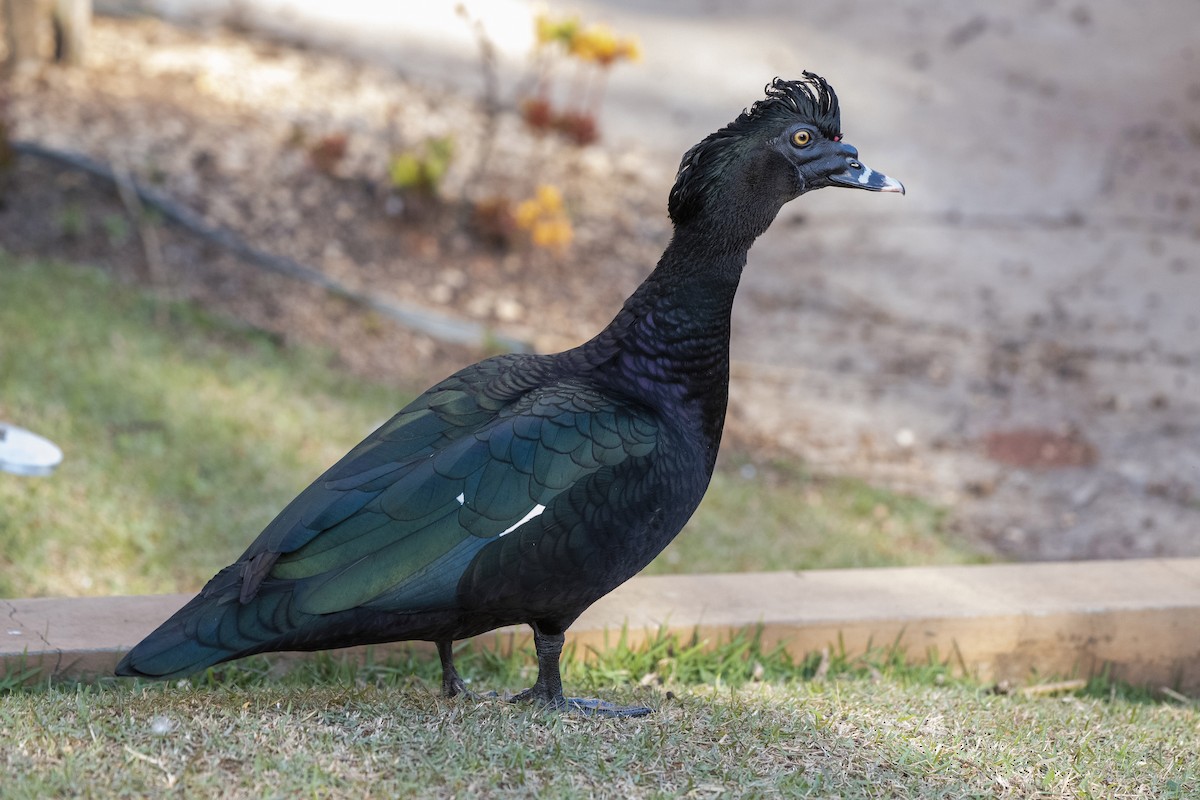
(236, 235)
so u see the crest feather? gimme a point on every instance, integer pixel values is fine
(810, 99)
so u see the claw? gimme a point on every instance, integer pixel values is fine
(588, 706)
(546, 694)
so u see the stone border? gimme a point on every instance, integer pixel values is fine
(1138, 619)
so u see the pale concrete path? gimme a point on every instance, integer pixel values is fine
(1135, 619)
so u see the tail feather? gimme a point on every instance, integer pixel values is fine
(213, 627)
(171, 657)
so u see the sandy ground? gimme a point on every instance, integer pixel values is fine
(1019, 337)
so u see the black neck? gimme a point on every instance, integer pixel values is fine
(669, 345)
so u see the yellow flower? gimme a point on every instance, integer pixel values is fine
(545, 217)
(550, 199)
(630, 49)
(596, 43)
(555, 233)
(550, 30)
(527, 214)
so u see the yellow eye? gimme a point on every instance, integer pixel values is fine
(801, 138)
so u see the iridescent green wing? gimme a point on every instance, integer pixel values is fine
(399, 519)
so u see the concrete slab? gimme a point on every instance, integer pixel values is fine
(1138, 619)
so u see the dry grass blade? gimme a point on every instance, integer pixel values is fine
(1055, 687)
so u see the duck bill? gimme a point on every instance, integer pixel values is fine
(858, 175)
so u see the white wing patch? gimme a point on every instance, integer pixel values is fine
(462, 499)
(533, 512)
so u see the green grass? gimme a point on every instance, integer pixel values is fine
(184, 435)
(868, 727)
(778, 516)
(182, 438)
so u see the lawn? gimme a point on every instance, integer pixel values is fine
(185, 433)
(860, 730)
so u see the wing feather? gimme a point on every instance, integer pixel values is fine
(398, 521)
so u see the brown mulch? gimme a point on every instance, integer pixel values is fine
(1038, 448)
(238, 130)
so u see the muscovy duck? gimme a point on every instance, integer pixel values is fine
(525, 487)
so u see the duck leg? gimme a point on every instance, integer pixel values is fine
(547, 692)
(452, 682)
